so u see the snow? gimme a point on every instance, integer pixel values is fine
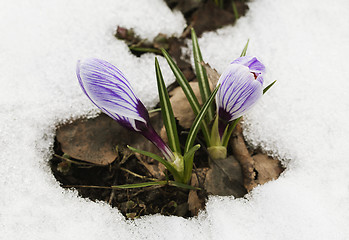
(302, 119)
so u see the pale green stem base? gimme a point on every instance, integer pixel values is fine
(217, 152)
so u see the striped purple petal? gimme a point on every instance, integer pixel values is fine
(109, 90)
(241, 87)
(251, 62)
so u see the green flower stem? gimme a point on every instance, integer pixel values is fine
(215, 149)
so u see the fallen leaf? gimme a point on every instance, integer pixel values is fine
(92, 140)
(258, 169)
(196, 203)
(225, 178)
(95, 140)
(210, 17)
(243, 156)
(212, 75)
(267, 168)
(181, 107)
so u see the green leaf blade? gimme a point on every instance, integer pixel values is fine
(183, 82)
(244, 51)
(182, 185)
(268, 87)
(140, 185)
(201, 74)
(198, 120)
(167, 112)
(188, 91)
(229, 131)
(188, 162)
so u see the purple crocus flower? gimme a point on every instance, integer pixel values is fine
(107, 87)
(241, 87)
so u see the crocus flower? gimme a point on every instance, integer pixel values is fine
(107, 87)
(241, 87)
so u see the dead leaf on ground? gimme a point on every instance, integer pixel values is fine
(210, 17)
(181, 107)
(196, 203)
(267, 168)
(243, 156)
(212, 74)
(95, 140)
(92, 140)
(258, 169)
(225, 178)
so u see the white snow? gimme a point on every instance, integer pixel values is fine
(302, 119)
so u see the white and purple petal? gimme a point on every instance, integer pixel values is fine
(239, 91)
(241, 87)
(253, 64)
(109, 90)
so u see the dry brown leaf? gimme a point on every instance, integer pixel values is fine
(181, 107)
(195, 203)
(267, 168)
(243, 156)
(210, 17)
(258, 169)
(225, 178)
(94, 140)
(212, 75)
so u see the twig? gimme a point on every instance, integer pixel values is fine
(88, 186)
(76, 162)
(137, 175)
(112, 194)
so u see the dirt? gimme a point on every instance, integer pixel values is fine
(133, 203)
(230, 176)
(90, 155)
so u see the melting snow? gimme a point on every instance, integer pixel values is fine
(302, 119)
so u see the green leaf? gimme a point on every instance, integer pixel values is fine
(188, 162)
(140, 185)
(182, 185)
(219, 3)
(183, 82)
(188, 91)
(167, 164)
(269, 86)
(144, 50)
(166, 110)
(235, 10)
(243, 53)
(198, 120)
(153, 183)
(201, 74)
(228, 131)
